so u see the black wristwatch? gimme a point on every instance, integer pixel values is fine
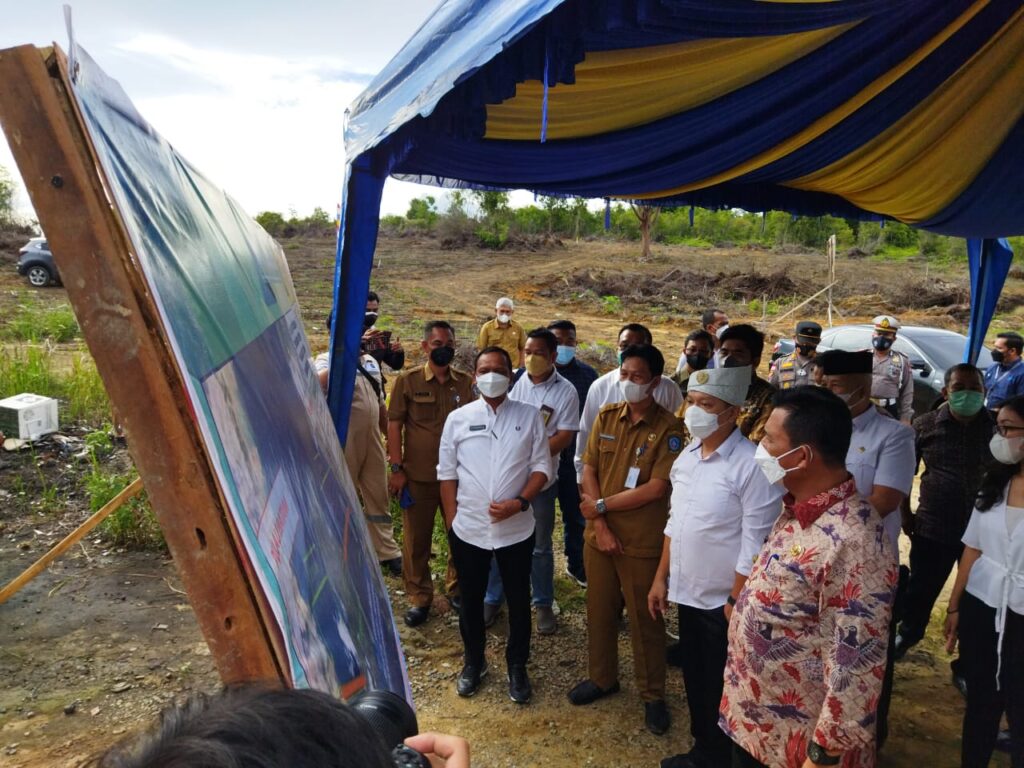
(523, 503)
(817, 754)
(397, 468)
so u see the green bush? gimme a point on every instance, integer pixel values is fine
(32, 321)
(132, 525)
(78, 387)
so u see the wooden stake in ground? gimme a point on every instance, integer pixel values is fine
(830, 251)
(70, 540)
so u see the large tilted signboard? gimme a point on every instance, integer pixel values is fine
(229, 311)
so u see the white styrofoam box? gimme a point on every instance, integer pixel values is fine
(27, 416)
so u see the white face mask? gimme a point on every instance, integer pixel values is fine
(492, 384)
(1007, 450)
(770, 464)
(633, 392)
(504, 318)
(847, 397)
(699, 422)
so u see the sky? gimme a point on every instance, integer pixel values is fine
(253, 94)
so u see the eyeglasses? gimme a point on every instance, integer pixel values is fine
(1005, 429)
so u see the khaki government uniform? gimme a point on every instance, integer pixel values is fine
(892, 385)
(612, 450)
(791, 371)
(422, 403)
(367, 462)
(511, 338)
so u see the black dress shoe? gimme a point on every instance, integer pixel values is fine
(393, 566)
(519, 688)
(469, 680)
(681, 761)
(588, 692)
(416, 615)
(656, 717)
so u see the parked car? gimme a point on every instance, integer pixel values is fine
(36, 263)
(931, 352)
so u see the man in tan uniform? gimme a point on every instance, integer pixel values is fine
(421, 400)
(503, 332)
(626, 468)
(364, 455)
(892, 384)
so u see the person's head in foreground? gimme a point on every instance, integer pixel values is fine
(640, 372)
(714, 398)
(493, 370)
(741, 345)
(256, 727)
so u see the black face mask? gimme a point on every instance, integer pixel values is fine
(997, 356)
(732, 362)
(881, 343)
(441, 356)
(369, 319)
(697, 362)
(806, 350)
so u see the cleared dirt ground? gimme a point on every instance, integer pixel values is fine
(108, 637)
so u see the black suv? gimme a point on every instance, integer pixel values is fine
(36, 263)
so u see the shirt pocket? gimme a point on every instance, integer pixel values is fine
(423, 406)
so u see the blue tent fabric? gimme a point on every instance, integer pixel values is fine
(789, 134)
(989, 264)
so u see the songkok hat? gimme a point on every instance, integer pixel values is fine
(806, 330)
(728, 384)
(887, 324)
(836, 362)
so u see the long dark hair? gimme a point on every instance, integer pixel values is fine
(993, 485)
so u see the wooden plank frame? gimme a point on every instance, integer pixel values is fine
(125, 335)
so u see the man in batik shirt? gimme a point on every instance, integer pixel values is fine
(808, 635)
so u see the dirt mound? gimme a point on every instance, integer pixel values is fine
(676, 285)
(11, 241)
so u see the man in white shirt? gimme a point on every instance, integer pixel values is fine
(882, 460)
(493, 460)
(722, 507)
(605, 391)
(556, 399)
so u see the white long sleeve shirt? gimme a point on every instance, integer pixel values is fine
(492, 455)
(605, 391)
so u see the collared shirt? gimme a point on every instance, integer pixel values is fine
(892, 380)
(1002, 384)
(492, 455)
(605, 391)
(511, 337)
(955, 454)
(558, 404)
(614, 449)
(882, 453)
(791, 371)
(720, 511)
(809, 635)
(422, 403)
(753, 414)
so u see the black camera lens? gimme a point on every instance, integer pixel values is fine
(391, 717)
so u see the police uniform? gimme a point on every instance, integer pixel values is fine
(892, 385)
(509, 336)
(422, 403)
(794, 370)
(627, 455)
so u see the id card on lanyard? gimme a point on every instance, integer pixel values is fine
(633, 477)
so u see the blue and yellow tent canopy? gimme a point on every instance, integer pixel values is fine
(911, 110)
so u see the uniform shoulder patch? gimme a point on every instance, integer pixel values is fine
(675, 443)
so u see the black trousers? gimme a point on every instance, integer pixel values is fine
(703, 641)
(473, 566)
(885, 698)
(742, 759)
(931, 562)
(572, 518)
(985, 702)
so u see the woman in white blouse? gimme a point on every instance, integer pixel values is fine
(986, 608)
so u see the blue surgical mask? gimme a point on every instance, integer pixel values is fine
(565, 354)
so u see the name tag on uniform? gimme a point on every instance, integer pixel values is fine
(633, 477)
(603, 436)
(546, 411)
(477, 427)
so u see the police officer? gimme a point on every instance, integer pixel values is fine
(892, 385)
(420, 402)
(794, 370)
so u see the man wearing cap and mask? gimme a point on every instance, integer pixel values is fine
(420, 402)
(627, 463)
(722, 507)
(493, 460)
(807, 634)
(794, 370)
(545, 389)
(606, 391)
(698, 350)
(882, 461)
(503, 332)
(892, 382)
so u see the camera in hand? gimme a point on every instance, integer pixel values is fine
(390, 716)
